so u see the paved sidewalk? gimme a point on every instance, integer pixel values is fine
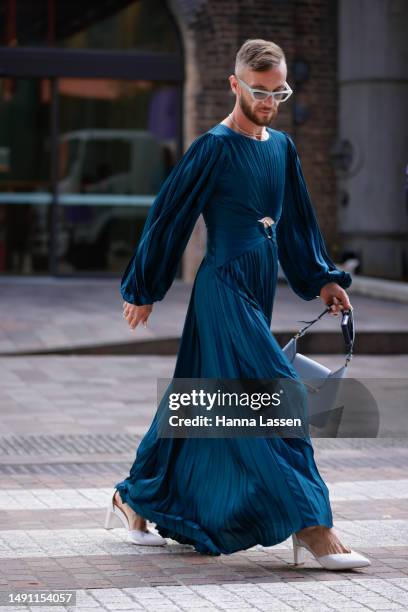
(70, 427)
(49, 314)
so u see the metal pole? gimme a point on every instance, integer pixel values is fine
(53, 216)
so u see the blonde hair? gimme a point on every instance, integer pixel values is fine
(258, 54)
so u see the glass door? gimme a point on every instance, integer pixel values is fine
(117, 142)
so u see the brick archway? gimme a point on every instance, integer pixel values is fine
(212, 32)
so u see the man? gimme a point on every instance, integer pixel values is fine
(261, 67)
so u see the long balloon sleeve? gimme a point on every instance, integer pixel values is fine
(171, 219)
(301, 249)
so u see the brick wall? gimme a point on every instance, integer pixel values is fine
(212, 32)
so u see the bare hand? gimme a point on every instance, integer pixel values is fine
(333, 294)
(135, 314)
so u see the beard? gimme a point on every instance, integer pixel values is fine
(256, 116)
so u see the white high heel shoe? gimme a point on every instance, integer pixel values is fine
(137, 536)
(337, 561)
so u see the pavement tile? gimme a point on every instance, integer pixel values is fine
(53, 494)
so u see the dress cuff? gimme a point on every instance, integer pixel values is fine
(140, 300)
(341, 277)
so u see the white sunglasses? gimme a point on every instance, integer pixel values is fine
(260, 94)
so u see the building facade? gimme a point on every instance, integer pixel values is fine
(98, 102)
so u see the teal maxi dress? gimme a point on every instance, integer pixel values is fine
(222, 495)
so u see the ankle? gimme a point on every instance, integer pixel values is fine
(135, 520)
(117, 500)
(312, 530)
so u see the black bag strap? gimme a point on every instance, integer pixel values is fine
(347, 326)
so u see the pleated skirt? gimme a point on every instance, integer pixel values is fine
(222, 495)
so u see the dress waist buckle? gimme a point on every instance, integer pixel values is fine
(267, 222)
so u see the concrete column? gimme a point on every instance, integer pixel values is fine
(373, 129)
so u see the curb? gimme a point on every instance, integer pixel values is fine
(380, 288)
(318, 342)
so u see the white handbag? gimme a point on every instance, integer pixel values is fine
(323, 385)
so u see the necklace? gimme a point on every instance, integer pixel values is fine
(243, 131)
